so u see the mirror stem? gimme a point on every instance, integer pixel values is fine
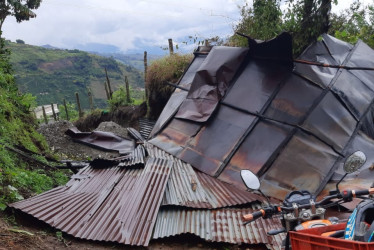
(267, 198)
(337, 184)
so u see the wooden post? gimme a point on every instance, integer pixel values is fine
(108, 82)
(145, 74)
(90, 100)
(66, 110)
(53, 112)
(45, 115)
(171, 48)
(128, 98)
(79, 105)
(106, 91)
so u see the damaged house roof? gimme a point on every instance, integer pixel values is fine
(290, 123)
(253, 108)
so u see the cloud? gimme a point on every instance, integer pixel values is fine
(68, 23)
(127, 24)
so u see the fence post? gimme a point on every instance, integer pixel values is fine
(106, 91)
(128, 98)
(79, 105)
(44, 115)
(171, 48)
(90, 100)
(53, 112)
(66, 110)
(108, 82)
(145, 74)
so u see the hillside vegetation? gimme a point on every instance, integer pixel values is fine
(53, 74)
(18, 178)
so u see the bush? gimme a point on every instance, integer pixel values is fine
(167, 69)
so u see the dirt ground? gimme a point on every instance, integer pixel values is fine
(22, 231)
(67, 149)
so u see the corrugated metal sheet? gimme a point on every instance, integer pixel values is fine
(190, 188)
(135, 134)
(145, 127)
(221, 225)
(110, 204)
(135, 159)
(290, 126)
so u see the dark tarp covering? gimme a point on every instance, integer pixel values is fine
(103, 140)
(290, 126)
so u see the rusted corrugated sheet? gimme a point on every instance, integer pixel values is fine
(221, 225)
(135, 159)
(190, 188)
(290, 126)
(111, 204)
(135, 134)
(145, 127)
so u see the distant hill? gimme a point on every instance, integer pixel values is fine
(135, 60)
(53, 74)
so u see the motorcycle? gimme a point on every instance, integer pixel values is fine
(300, 210)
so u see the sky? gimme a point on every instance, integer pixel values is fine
(127, 26)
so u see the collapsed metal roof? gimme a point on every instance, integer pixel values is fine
(290, 123)
(121, 203)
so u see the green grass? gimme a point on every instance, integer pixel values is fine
(18, 178)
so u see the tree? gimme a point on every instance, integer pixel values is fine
(20, 9)
(262, 21)
(306, 20)
(356, 22)
(19, 41)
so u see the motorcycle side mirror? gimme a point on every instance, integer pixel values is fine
(351, 164)
(250, 180)
(354, 162)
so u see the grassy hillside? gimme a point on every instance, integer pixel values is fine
(52, 74)
(18, 178)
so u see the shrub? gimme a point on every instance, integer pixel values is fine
(166, 69)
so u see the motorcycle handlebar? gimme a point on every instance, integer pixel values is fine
(346, 195)
(254, 215)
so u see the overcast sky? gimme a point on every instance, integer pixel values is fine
(126, 25)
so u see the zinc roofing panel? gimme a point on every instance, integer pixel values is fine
(220, 225)
(111, 204)
(191, 188)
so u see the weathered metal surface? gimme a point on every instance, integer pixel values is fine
(112, 204)
(179, 96)
(135, 134)
(210, 82)
(221, 225)
(289, 126)
(363, 178)
(135, 159)
(145, 127)
(102, 140)
(190, 188)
